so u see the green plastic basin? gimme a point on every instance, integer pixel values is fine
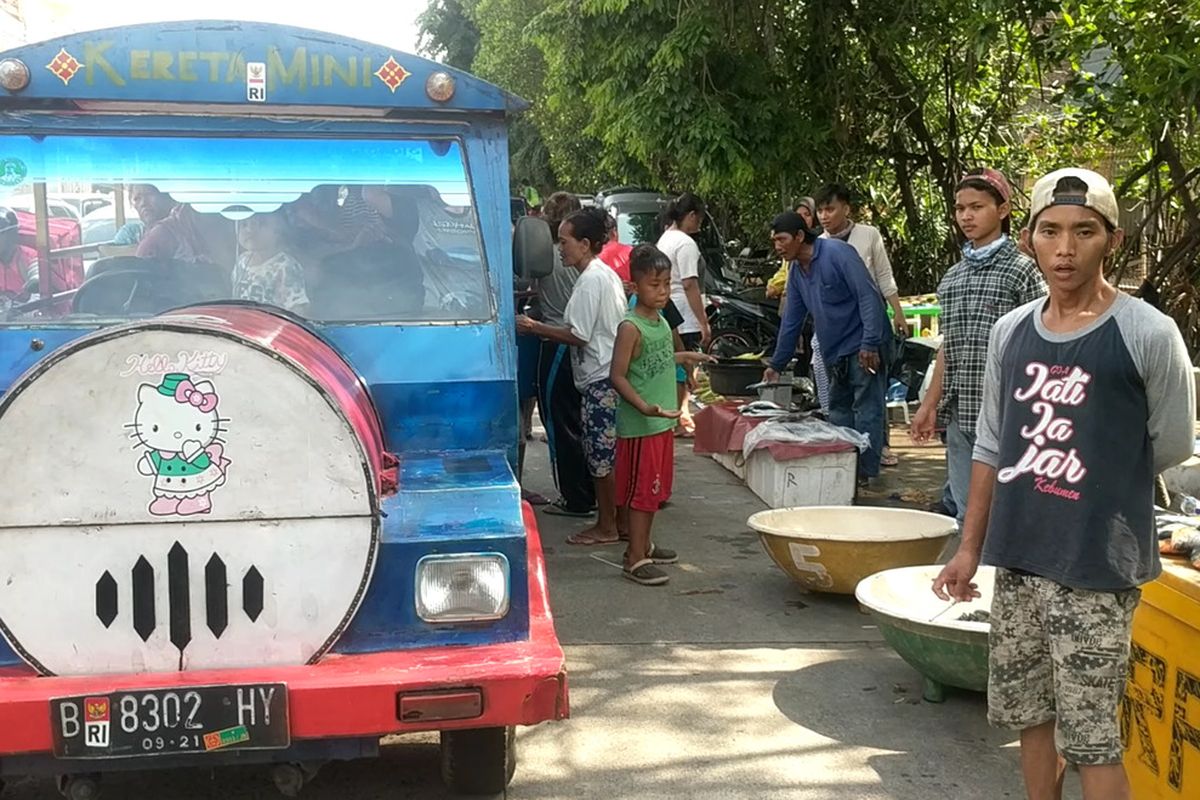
(929, 633)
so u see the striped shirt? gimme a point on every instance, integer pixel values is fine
(975, 293)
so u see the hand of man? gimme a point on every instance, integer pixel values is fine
(924, 424)
(689, 359)
(869, 360)
(659, 411)
(770, 376)
(901, 325)
(525, 324)
(954, 581)
(705, 334)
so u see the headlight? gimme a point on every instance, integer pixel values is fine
(462, 588)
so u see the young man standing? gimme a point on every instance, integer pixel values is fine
(1087, 396)
(828, 280)
(992, 279)
(833, 209)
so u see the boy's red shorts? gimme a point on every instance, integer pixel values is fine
(645, 471)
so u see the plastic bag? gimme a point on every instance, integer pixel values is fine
(803, 431)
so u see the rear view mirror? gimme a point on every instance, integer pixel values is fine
(533, 248)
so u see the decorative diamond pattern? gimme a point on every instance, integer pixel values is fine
(252, 594)
(216, 593)
(178, 610)
(392, 74)
(64, 66)
(106, 598)
(179, 597)
(144, 618)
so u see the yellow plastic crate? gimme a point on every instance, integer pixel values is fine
(1160, 715)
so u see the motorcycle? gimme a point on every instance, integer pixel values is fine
(742, 324)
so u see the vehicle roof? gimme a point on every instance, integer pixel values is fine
(205, 63)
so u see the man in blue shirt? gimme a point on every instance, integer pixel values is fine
(828, 279)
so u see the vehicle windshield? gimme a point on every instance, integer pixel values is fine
(331, 229)
(637, 227)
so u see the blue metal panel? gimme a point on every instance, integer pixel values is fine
(205, 62)
(447, 503)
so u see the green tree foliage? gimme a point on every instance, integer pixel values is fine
(448, 32)
(754, 103)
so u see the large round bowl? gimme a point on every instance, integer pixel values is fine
(931, 634)
(832, 548)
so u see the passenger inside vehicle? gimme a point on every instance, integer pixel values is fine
(266, 271)
(18, 263)
(337, 252)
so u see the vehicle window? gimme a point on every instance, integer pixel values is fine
(334, 230)
(637, 228)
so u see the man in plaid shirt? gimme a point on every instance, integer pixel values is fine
(992, 278)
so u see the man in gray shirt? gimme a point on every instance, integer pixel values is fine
(1087, 396)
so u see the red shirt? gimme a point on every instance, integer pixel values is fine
(616, 256)
(16, 272)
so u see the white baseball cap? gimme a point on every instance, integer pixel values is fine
(1099, 195)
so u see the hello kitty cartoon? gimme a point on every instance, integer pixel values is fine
(178, 423)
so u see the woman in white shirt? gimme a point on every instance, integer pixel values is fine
(592, 316)
(685, 215)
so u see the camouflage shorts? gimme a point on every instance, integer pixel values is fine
(1061, 654)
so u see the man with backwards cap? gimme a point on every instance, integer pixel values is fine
(1087, 396)
(828, 279)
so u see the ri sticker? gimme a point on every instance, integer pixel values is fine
(256, 81)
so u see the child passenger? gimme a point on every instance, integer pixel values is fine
(643, 373)
(265, 272)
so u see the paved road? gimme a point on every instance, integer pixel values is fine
(727, 683)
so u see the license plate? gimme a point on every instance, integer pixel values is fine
(200, 719)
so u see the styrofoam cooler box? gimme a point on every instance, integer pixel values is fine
(820, 480)
(732, 461)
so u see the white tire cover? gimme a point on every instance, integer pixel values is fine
(178, 499)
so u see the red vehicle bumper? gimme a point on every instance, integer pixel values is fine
(521, 683)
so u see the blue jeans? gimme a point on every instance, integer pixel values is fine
(856, 400)
(960, 445)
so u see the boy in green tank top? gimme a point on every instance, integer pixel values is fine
(643, 373)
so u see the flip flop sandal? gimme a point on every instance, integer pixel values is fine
(890, 460)
(579, 540)
(645, 573)
(661, 555)
(560, 510)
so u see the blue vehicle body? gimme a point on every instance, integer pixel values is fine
(445, 390)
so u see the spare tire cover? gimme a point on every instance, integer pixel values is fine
(195, 491)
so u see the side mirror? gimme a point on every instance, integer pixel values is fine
(533, 248)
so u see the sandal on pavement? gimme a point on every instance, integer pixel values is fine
(587, 540)
(888, 459)
(559, 510)
(645, 573)
(661, 555)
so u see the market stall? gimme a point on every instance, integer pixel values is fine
(784, 470)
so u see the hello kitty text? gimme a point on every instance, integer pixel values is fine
(193, 362)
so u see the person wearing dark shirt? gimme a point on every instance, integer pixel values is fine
(827, 279)
(1086, 397)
